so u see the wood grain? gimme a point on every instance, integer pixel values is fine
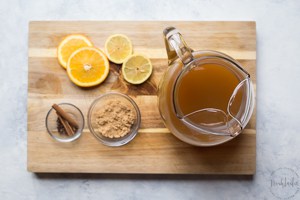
(155, 149)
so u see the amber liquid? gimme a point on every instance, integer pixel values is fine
(207, 86)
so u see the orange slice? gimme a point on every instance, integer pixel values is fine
(70, 44)
(87, 66)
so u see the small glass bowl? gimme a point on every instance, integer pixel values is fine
(51, 122)
(99, 103)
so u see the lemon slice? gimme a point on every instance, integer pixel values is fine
(118, 48)
(137, 69)
(87, 67)
(70, 44)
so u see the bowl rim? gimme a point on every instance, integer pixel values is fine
(133, 132)
(68, 139)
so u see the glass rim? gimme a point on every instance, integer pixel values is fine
(120, 141)
(68, 139)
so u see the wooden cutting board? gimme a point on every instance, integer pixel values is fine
(155, 149)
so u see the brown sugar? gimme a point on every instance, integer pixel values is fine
(115, 119)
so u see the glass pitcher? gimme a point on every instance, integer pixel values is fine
(205, 98)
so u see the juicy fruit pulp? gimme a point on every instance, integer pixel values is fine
(87, 67)
(118, 48)
(137, 69)
(70, 44)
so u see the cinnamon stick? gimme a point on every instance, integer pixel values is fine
(64, 115)
(66, 125)
(69, 127)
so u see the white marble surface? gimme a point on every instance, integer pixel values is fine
(278, 70)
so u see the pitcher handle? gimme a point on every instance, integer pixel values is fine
(176, 46)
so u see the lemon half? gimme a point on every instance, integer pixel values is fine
(118, 48)
(137, 69)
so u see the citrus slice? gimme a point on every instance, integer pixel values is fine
(137, 69)
(118, 48)
(87, 66)
(70, 44)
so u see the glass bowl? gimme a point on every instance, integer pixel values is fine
(52, 126)
(95, 126)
